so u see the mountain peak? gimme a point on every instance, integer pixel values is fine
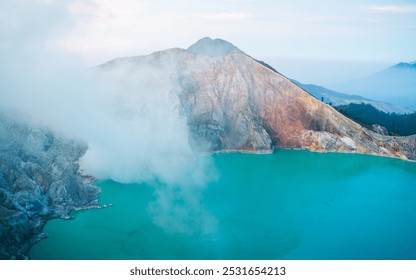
(405, 65)
(212, 47)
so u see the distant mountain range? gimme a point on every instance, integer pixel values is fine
(335, 98)
(395, 85)
(217, 47)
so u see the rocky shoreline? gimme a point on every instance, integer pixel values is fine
(40, 180)
(411, 151)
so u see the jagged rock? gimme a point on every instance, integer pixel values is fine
(404, 145)
(33, 164)
(379, 129)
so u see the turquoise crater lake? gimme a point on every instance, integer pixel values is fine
(286, 205)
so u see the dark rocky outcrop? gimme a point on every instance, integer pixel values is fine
(40, 179)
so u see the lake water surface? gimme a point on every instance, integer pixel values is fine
(286, 205)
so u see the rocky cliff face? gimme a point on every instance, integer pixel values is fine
(406, 145)
(233, 102)
(39, 180)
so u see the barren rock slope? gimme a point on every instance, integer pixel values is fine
(233, 102)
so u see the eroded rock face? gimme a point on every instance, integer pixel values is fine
(233, 102)
(39, 180)
(405, 145)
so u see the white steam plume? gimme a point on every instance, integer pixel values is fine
(131, 121)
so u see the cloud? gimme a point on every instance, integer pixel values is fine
(393, 9)
(240, 1)
(31, 22)
(225, 16)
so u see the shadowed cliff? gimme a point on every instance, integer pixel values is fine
(39, 180)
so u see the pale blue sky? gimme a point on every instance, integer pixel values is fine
(314, 41)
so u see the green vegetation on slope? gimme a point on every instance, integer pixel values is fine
(368, 115)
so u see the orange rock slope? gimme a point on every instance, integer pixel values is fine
(233, 102)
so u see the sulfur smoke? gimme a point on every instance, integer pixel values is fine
(130, 120)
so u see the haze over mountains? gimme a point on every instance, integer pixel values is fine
(395, 85)
(337, 99)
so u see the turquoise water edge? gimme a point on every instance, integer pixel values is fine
(286, 205)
